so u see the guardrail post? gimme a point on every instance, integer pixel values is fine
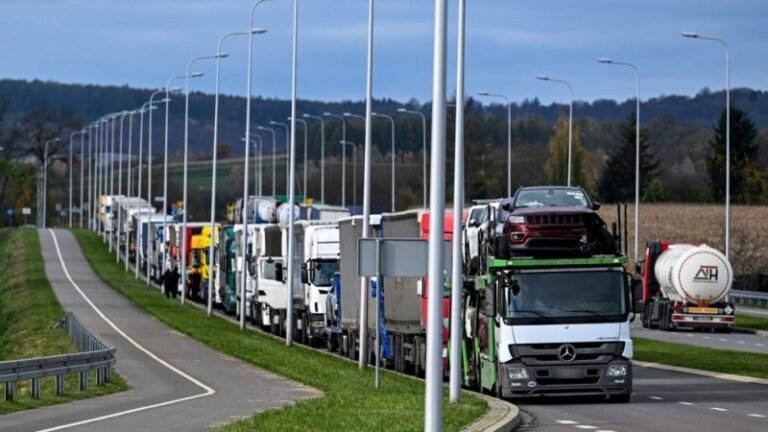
(108, 374)
(35, 389)
(99, 377)
(60, 385)
(84, 381)
(10, 389)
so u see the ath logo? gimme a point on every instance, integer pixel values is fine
(706, 273)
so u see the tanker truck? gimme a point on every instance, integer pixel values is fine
(686, 286)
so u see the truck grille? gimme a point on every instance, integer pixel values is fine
(554, 219)
(586, 353)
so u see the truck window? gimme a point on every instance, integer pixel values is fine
(268, 269)
(323, 271)
(563, 296)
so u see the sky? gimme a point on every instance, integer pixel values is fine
(143, 43)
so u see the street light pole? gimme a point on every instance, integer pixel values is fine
(45, 180)
(343, 156)
(82, 173)
(433, 400)
(71, 152)
(344, 145)
(423, 152)
(306, 132)
(287, 148)
(130, 176)
(354, 178)
(274, 156)
(692, 35)
(248, 97)
(120, 185)
(292, 173)
(570, 120)
(322, 154)
(392, 122)
(166, 239)
(150, 244)
(509, 136)
(604, 60)
(458, 207)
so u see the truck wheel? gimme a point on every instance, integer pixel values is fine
(272, 326)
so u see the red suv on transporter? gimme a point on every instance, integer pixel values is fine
(549, 220)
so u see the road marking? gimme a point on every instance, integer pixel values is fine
(723, 340)
(602, 430)
(689, 335)
(656, 397)
(760, 345)
(586, 427)
(756, 415)
(707, 337)
(208, 391)
(718, 409)
(686, 403)
(567, 422)
(740, 342)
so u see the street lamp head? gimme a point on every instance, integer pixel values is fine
(272, 122)
(196, 74)
(346, 114)
(305, 115)
(327, 114)
(401, 110)
(163, 100)
(542, 77)
(258, 31)
(221, 55)
(484, 93)
(691, 35)
(604, 60)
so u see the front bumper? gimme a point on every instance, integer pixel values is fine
(566, 380)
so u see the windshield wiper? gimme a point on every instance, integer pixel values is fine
(589, 311)
(537, 313)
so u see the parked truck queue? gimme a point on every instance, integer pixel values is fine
(547, 294)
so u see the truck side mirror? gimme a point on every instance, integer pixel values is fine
(473, 223)
(279, 271)
(636, 294)
(489, 306)
(596, 205)
(304, 274)
(506, 206)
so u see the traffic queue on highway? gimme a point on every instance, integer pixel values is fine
(547, 294)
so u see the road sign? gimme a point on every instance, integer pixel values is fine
(26, 211)
(10, 212)
(399, 257)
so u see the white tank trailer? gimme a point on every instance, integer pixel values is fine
(686, 286)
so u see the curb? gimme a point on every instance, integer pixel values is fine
(502, 416)
(718, 375)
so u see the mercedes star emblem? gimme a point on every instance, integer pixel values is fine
(566, 353)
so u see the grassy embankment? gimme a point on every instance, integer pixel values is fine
(350, 401)
(751, 322)
(29, 312)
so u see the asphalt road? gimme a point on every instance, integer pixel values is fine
(177, 383)
(663, 401)
(729, 341)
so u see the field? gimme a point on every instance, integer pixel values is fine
(702, 223)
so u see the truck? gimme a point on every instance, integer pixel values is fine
(686, 286)
(226, 271)
(269, 306)
(548, 327)
(404, 301)
(199, 259)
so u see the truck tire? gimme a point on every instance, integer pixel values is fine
(272, 326)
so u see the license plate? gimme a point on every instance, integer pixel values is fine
(702, 318)
(702, 310)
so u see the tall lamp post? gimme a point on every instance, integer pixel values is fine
(45, 178)
(343, 156)
(692, 35)
(605, 60)
(130, 176)
(354, 179)
(152, 107)
(185, 214)
(509, 136)
(322, 153)
(274, 156)
(392, 132)
(287, 148)
(165, 240)
(306, 141)
(82, 174)
(71, 152)
(423, 151)
(344, 145)
(570, 120)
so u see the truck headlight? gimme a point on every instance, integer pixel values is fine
(517, 373)
(617, 370)
(516, 219)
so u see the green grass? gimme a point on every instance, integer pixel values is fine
(709, 359)
(350, 401)
(29, 312)
(751, 322)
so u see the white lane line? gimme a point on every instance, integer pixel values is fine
(603, 430)
(740, 342)
(656, 397)
(760, 345)
(686, 403)
(689, 335)
(567, 422)
(586, 427)
(707, 337)
(718, 409)
(723, 340)
(756, 415)
(208, 391)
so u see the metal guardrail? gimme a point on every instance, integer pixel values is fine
(749, 298)
(93, 355)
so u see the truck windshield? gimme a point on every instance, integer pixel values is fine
(555, 297)
(323, 271)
